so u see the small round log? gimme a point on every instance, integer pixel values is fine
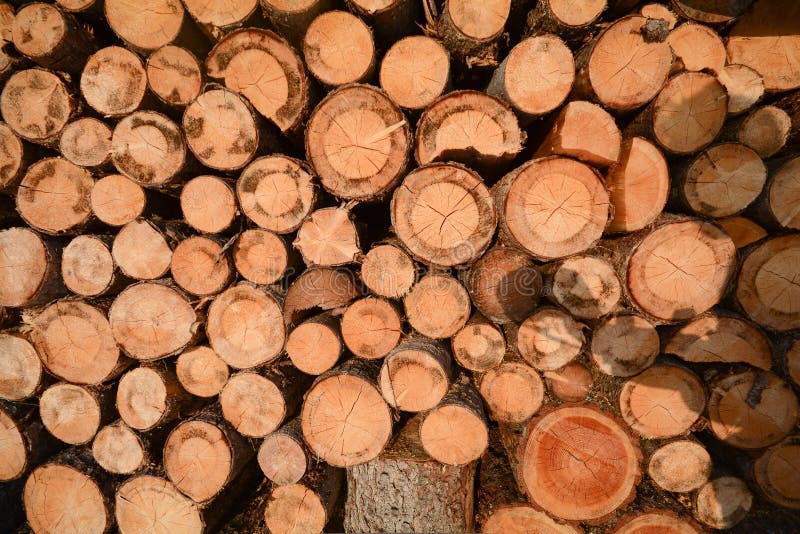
(471, 29)
(174, 75)
(698, 47)
(306, 506)
(118, 449)
(328, 237)
(480, 345)
(680, 466)
(150, 504)
(261, 256)
(141, 250)
(291, 18)
(583, 131)
(564, 17)
(12, 159)
(30, 272)
(114, 81)
(388, 271)
(624, 345)
(339, 49)
(208, 204)
(586, 286)
(744, 85)
(723, 502)
(780, 198)
(20, 368)
(549, 339)
(513, 392)
(655, 521)
(415, 375)
(36, 104)
(149, 397)
(315, 345)
(775, 473)
(117, 200)
(571, 383)
(72, 413)
(415, 71)
(51, 38)
(87, 266)
(282, 456)
(200, 266)
(319, 288)
(254, 404)
(201, 371)
(371, 327)
(148, 148)
(437, 306)
(146, 26)
(86, 142)
(742, 230)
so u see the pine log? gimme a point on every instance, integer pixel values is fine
(415, 376)
(86, 142)
(208, 204)
(626, 65)
(201, 266)
(443, 214)
(262, 257)
(283, 456)
(765, 287)
(142, 250)
(263, 68)
(245, 326)
(722, 180)
(74, 414)
(566, 195)
(150, 504)
(680, 466)
(315, 345)
(480, 345)
(37, 104)
(216, 20)
(150, 396)
(765, 129)
(549, 339)
(13, 160)
(371, 327)
(31, 271)
(51, 38)
(305, 507)
(697, 47)
(20, 368)
(358, 142)
(504, 285)
(117, 200)
(571, 383)
(775, 471)
(438, 306)
(534, 96)
(584, 131)
(76, 343)
(473, 128)
(292, 17)
(471, 29)
(328, 237)
(321, 288)
(586, 286)
(405, 490)
(201, 371)
(777, 206)
(114, 81)
(345, 421)
(752, 409)
(742, 230)
(390, 19)
(152, 320)
(387, 270)
(744, 85)
(174, 75)
(119, 450)
(723, 502)
(338, 49)
(624, 345)
(655, 521)
(87, 266)
(714, 338)
(513, 391)
(564, 18)
(415, 71)
(663, 401)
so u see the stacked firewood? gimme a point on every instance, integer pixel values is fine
(399, 265)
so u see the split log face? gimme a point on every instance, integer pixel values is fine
(221, 130)
(521, 518)
(147, 25)
(11, 158)
(626, 71)
(152, 321)
(437, 306)
(586, 286)
(285, 211)
(744, 86)
(512, 391)
(504, 285)
(148, 148)
(358, 142)
(30, 273)
(328, 237)
(322, 288)
(117, 449)
(415, 376)
(663, 401)
(754, 38)
(784, 195)
(415, 71)
(117, 200)
(624, 345)
(54, 195)
(723, 180)
(742, 230)
(719, 339)
(141, 250)
(662, 522)
(549, 339)
(70, 413)
(479, 345)
(20, 368)
(444, 214)
(114, 81)
(76, 343)
(468, 127)
(776, 471)
(388, 271)
(86, 142)
(680, 466)
(315, 345)
(552, 207)
(765, 130)
(13, 450)
(260, 256)
(681, 269)
(765, 287)
(338, 48)
(36, 104)
(200, 266)
(174, 76)
(723, 502)
(752, 410)
(584, 131)
(245, 326)
(56, 495)
(371, 327)
(345, 420)
(533, 96)
(264, 69)
(148, 504)
(698, 47)
(689, 112)
(87, 266)
(201, 371)
(578, 446)
(571, 383)
(208, 204)
(282, 455)
(253, 404)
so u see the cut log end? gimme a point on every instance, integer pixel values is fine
(146, 26)
(624, 345)
(87, 266)
(479, 345)
(723, 502)
(371, 327)
(208, 204)
(315, 345)
(117, 200)
(149, 504)
(680, 466)
(294, 509)
(114, 81)
(198, 459)
(454, 434)
(143, 398)
(479, 21)
(118, 449)
(742, 230)
(655, 521)
(55, 493)
(784, 195)
(415, 71)
(20, 368)
(200, 266)
(339, 49)
(13, 449)
(282, 458)
(174, 76)
(26, 269)
(765, 130)
(388, 271)
(437, 306)
(328, 237)
(415, 376)
(698, 47)
(201, 371)
(253, 404)
(744, 85)
(54, 196)
(584, 131)
(21, 109)
(260, 256)
(587, 287)
(550, 339)
(520, 518)
(148, 148)
(512, 391)
(571, 383)
(141, 250)
(38, 29)
(775, 473)
(12, 154)
(86, 142)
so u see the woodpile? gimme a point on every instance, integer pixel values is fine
(399, 265)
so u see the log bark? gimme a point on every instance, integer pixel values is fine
(32, 275)
(437, 306)
(415, 376)
(415, 71)
(327, 36)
